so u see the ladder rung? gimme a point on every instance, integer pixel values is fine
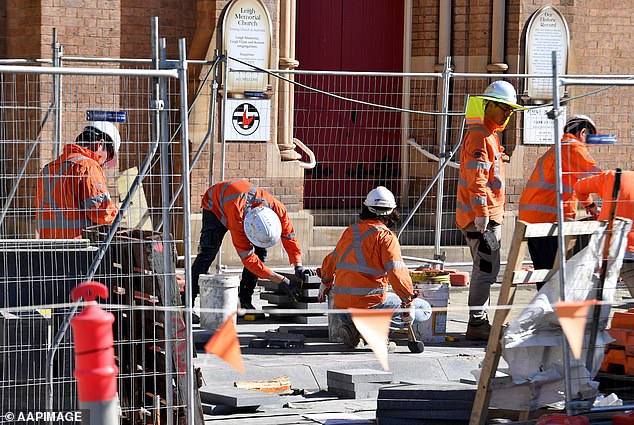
(536, 230)
(531, 276)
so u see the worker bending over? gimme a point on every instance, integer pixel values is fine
(72, 192)
(602, 184)
(256, 221)
(481, 195)
(538, 203)
(365, 260)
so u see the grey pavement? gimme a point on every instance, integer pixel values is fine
(441, 363)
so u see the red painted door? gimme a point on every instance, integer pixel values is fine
(357, 146)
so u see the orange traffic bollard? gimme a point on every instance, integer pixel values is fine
(95, 367)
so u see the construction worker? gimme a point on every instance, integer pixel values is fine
(256, 221)
(481, 196)
(367, 258)
(602, 184)
(72, 193)
(538, 203)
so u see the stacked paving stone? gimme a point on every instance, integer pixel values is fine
(310, 291)
(357, 383)
(239, 398)
(431, 404)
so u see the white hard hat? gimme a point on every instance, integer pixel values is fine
(573, 123)
(110, 130)
(263, 227)
(380, 197)
(502, 91)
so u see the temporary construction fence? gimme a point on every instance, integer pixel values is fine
(41, 109)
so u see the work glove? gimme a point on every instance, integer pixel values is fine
(481, 223)
(301, 273)
(291, 288)
(407, 316)
(324, 290)
(593, 210)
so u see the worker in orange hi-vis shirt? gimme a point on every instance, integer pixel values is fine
(481, 195)
(367, 258)
(602, 184)
(256, 221)
(538, 203)
(72, 193)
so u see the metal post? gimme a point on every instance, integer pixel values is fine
(446, 76)
(560, 224)
(57, 97)
(162, 129)
(223, 148)
(182, 73)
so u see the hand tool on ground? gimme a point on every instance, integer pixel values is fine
(414, 345)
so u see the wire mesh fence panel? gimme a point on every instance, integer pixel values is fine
(52, 176)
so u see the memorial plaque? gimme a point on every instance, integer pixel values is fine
(547, 32)
(246, 36)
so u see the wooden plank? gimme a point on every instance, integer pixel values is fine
(535, 230)
(532, 276)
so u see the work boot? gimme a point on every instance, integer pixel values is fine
(349, 335)
(478, 332)
(247, 305)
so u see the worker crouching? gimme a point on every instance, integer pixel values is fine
(367, 258)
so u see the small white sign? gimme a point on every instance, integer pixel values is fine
(248, 120)
(539, 129)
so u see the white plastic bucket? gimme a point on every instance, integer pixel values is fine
(218, 291)
(436, 294)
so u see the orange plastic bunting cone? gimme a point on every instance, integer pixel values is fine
(374, 327)
(573, 316)
(225, 344)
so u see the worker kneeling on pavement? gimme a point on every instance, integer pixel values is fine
(256, 221)
(365, 260)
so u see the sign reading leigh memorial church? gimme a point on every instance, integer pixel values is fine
(247, 37)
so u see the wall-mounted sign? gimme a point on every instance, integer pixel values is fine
(547, 31)
(248, 120)
(246, 36)
(539, 129)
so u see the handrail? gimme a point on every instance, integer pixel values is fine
(312, 163)
(419, 148)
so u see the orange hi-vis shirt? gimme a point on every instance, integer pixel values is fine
(538, 203)
(72, 194)
(602, 184)
(366, 258)
(228, 201)
(481, 191)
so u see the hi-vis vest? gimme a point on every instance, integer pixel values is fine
(366, 258)
(602, 184)
(229, 200)
(538, 203)
(72, 195)
(481, 191)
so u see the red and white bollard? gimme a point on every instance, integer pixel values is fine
(95, 367)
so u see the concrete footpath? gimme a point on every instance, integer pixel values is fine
(444, 363)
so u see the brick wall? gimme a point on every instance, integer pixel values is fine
(3, 30)
(600, 43)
